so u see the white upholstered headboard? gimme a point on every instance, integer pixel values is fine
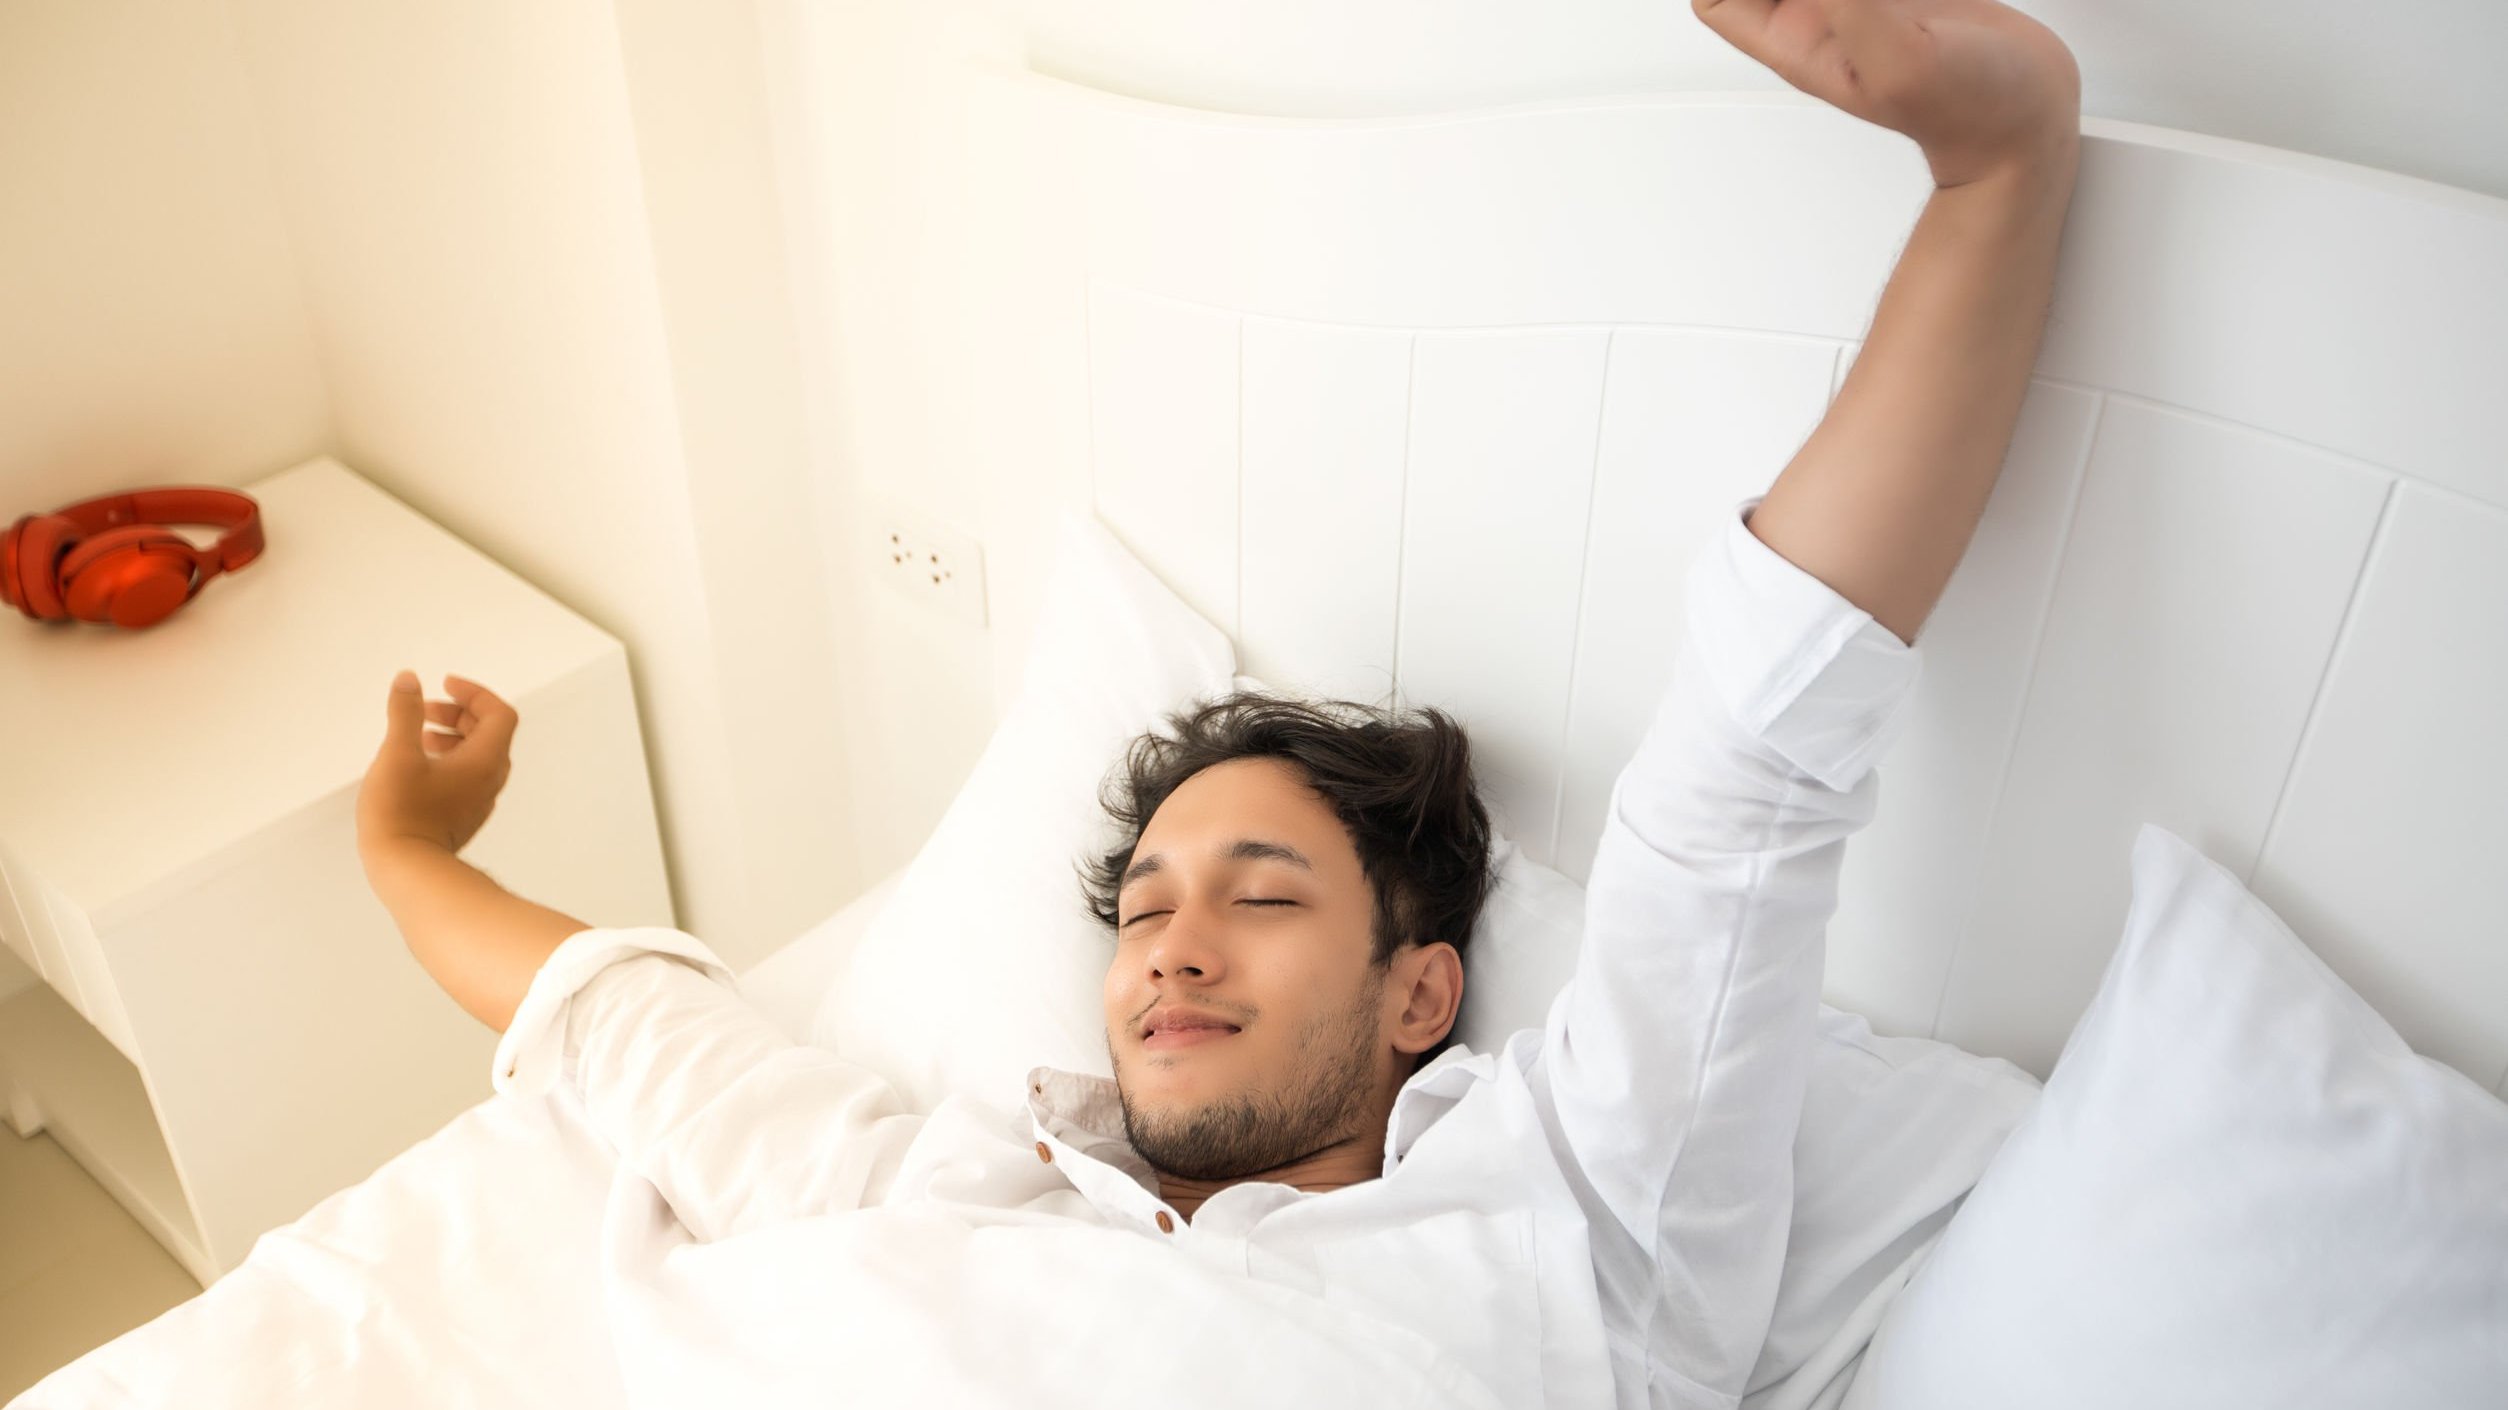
(1446, 404)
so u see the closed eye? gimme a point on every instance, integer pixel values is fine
(1248, 901)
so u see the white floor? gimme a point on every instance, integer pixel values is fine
(75, 1270)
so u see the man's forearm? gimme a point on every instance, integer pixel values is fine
(481, 943)
(1881, 501)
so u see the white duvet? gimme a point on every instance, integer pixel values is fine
(916, 1305)
(463, 1273)
(469, 1272)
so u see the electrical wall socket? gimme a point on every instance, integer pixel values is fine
(923, 559)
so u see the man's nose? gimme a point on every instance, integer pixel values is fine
(1187, 947)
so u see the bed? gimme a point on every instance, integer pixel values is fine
(2245, 576)
(405, 1289)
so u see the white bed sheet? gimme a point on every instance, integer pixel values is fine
(464, 1272)
(473, 1270)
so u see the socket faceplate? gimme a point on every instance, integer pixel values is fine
(926, 560)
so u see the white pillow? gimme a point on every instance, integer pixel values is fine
(2240, 1187)
(986, 964)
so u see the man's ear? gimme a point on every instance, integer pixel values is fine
(1426, 993)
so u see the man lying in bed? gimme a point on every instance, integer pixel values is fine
(1293, 1184)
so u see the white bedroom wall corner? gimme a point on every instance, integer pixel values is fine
(276, 178)
(902, 298)
(810, 133)
(699, 105)
(155, 331)
(469, 222)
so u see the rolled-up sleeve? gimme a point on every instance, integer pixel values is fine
(1677, 1058)
(737, 1126)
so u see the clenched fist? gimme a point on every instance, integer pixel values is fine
(436, 787)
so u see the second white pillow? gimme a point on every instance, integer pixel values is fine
(2240, 1187)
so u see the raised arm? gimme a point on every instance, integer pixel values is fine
(1881, 501)
(1674, 1064)
(423, 798)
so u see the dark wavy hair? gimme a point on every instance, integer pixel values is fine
(1400, 781)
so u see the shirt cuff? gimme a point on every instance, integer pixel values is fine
(532, 1053)
(1809, 673)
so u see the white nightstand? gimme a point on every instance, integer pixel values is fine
(230, 1028)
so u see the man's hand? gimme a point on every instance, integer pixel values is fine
(429, 786)
(424, 796)
(1981, 87)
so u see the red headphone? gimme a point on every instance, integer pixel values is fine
(110, 559)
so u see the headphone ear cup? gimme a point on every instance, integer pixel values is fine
(9, 591)
(133, 576)
(30, 566)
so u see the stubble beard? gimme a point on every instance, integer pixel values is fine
(1235, 1137)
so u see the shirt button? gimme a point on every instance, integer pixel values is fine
(1165, 1224)
(1044, 1152)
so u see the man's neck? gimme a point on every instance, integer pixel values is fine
(1347, 1163)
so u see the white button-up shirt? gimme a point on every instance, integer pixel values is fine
(1595, 1214)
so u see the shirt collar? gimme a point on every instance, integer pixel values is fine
(1078, 1113)
(1085, 1112)
(1430, 1093)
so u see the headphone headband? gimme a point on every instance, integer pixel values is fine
(225, 509)
(113, 558)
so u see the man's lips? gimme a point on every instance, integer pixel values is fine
(1174, 1026)
(1185, 1037)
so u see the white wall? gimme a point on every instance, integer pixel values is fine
(867, 146)
(150, 320)
(520, 264)
(696, 84)
(541, 246)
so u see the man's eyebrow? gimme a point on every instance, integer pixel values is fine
(1244, 849)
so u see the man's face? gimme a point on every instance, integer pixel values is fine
(1247, 1023)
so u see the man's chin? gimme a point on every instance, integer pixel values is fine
(1195, 1068)
(1170, 1094)
(1172, 1101)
